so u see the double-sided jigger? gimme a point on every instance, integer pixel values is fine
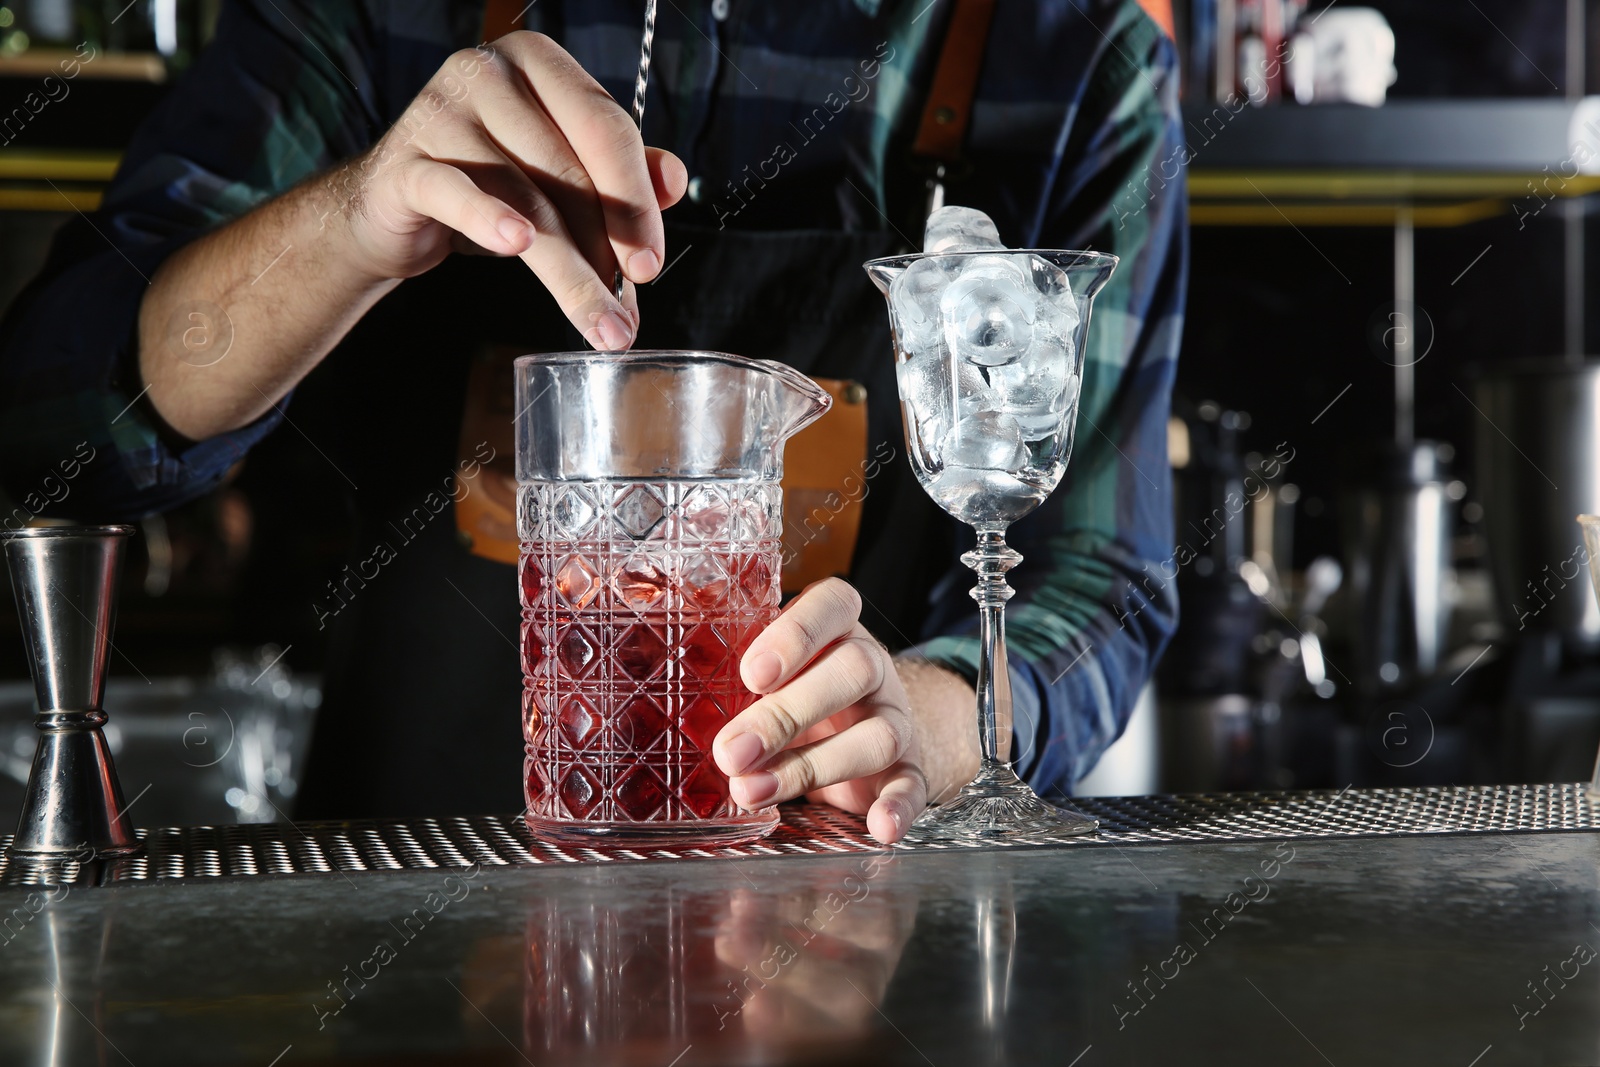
(65, 581)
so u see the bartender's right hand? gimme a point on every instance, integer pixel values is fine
(835, 719)
(514, 148)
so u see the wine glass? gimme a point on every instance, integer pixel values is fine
(989, 347)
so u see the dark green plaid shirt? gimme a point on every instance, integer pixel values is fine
(1075, 143)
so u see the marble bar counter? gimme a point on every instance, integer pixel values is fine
(1451, 926)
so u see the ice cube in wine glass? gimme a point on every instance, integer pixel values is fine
(1058, 308)
(1037, 389)
(988, 319)
(986, 440)
(915, 298)
(923, 379)
(959, 229)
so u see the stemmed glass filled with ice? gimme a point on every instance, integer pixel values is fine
(989, 346)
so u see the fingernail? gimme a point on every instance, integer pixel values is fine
(762, 671)
(754, 790)
(612, 330)
(515, 231)
(642, 265)
(739, 753)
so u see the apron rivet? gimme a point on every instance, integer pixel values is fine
(855, 393)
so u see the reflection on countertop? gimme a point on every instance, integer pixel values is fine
(1378, 950)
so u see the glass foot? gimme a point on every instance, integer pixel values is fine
(998, 806)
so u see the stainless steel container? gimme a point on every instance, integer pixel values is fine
(1397, 533)
(1538, 465)
(65, 581)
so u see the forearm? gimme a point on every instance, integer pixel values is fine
(944, 708)
(234, 320)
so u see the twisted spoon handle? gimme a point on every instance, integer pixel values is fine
(643, 77)
(640, 81)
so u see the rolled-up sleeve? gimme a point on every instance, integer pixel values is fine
(272, 100)
(1096, 607)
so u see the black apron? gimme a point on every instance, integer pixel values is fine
(421, 708)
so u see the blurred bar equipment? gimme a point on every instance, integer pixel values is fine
(1590, 525)
(1249, 658)
(1398, 543)
(1538, 464)
(1207, 726)
(65, 581)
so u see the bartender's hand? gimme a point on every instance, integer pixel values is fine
(527, 156)
(843, 722)
(511, 149)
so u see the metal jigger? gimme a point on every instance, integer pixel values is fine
(65, 580)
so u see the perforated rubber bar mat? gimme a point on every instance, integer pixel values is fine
(326, 847)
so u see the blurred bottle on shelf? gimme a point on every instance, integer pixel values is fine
(1266, 51)
(174, 30)
(1260, 50)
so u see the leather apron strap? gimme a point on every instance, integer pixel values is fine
(948, 110)
(486, 516)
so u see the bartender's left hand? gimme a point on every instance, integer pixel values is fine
(844, 723)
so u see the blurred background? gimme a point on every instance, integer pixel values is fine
(1384, 424)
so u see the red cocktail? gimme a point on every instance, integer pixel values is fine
(633, 627)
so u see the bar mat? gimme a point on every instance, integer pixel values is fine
(258, 849)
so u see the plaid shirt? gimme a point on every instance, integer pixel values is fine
(1074, 142)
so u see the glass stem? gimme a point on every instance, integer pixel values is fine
(990, 560)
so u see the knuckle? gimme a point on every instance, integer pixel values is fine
(612, 128)
(486, 58)
(464, 59)
(781, 724)
(573, 175)
(904, 733)
(433, 101)
(844, 596)
(881, 742)
(812, 632)
(860, 663)
(632, 211)
(533, 51)
(543, 214)
(802, 773)
(577, 293)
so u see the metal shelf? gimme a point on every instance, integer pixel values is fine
(110, 66)
(57, 180)
(1442, 162)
